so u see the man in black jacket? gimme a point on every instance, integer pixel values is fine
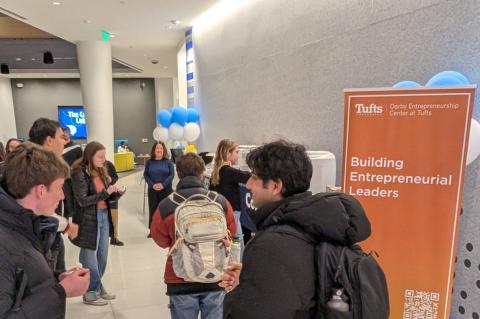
(277, 278)
(49, 135)
(31, 187)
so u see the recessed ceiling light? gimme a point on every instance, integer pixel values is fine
(33, 59)
(18, 59)
(56, 3)
(112, 35)
(175, 22)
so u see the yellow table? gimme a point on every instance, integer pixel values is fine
(124, 161)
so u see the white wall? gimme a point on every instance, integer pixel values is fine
(182, 74)
(279, 67)
(8, 128)
(164, 93)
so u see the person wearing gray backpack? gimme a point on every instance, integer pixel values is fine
(196, 225)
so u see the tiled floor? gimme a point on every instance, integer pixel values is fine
(134, 271)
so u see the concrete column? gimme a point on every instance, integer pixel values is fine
(8, 128)
(95, 64)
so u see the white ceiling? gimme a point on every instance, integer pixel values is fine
(141, 27)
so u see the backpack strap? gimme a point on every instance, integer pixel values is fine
(172, 198)
(215, 195)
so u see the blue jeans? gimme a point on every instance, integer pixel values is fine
(96, 260)
(209, 304)
(239, 233)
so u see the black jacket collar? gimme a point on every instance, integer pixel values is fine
(190, 182)
(19, 219)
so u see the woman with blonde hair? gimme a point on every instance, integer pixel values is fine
(225, 179)
(92, 190)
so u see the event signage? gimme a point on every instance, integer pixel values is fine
(404, 159)
(73, 117)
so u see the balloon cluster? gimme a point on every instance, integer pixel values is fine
(445, 78)
(176, 124)
(451, 78)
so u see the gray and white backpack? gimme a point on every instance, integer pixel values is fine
(202, 241)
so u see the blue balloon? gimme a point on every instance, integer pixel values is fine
(444, 81)
(463, 79)
(164, 118)
(179, 115)
(193, 115)
(406, 84)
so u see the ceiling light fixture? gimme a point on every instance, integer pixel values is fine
(175, 22)
(18, 59)
(56, 3)
(33, 59)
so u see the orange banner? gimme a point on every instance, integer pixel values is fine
(404, 159)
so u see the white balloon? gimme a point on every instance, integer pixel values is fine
(191, 132)
(176, 131)
(160, 134)
(473, 142)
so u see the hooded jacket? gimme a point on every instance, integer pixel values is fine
(278, 276)
(22, 259)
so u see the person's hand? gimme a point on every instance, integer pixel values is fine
(231, 277)
(111, 189)
(72, 231)
(75, 282)
(158, 186)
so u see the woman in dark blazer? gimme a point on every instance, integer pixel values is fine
(92, 189)
(159, 173)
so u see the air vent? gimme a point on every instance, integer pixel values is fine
(11, 13)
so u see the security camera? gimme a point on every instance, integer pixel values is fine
(154, 61)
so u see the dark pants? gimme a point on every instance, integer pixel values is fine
(154, 198)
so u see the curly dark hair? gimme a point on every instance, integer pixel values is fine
(285, 161)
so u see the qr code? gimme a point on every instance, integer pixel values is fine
(420, 305)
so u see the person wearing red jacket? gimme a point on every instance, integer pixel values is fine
(187, 299)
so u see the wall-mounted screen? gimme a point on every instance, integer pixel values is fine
(73, 117)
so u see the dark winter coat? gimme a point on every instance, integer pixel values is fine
(85, 209)
(278, 276)
(21, 258)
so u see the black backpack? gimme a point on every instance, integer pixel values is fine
(356, 274)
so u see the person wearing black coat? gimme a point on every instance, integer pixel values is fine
(30, 190)
(225, 179)
(277, 279)
(112, 172)
(92, 189)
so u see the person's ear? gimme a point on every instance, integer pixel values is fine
(39, 191)
(277, 187)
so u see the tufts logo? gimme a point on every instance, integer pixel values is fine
(371, 109)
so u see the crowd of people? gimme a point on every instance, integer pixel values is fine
(50, 188)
